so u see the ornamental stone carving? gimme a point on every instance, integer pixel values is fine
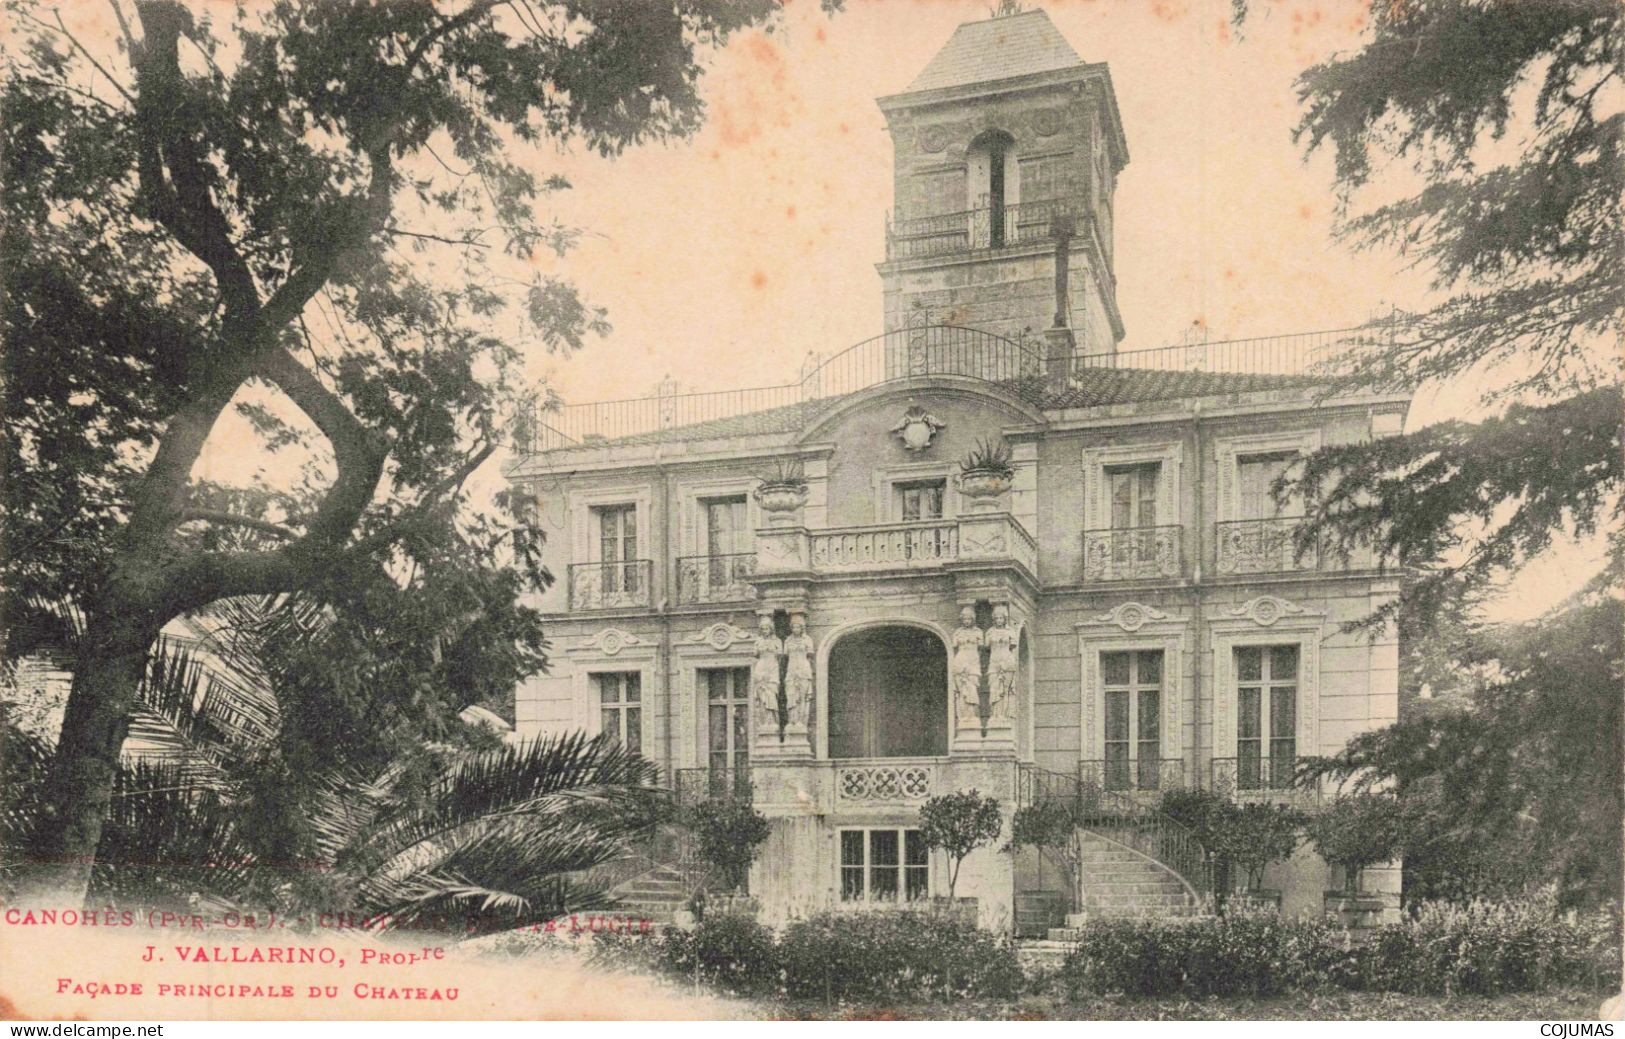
(766, 691)
(1265, 610)
(1002, 640)
(1131, 616)
(720, 636)
(965, 672)
(610, 641)
(917, 429)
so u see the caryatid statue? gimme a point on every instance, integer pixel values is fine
(965, 670)
(798, 674)
(764, 677)
(1002, 640)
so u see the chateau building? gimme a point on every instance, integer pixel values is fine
(800, 595)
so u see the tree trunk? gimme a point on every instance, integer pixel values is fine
(79, 785)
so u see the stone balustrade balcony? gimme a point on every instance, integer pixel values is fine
(922, 545)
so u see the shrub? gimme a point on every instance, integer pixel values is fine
(1487, 948)
(959, 824)
(729, 833)
(1251, 952)
(1359, 831)
(896, 956)
(732, 953)
(1251, 836)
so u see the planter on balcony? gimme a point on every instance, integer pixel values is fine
(984, 487)
(781, 501)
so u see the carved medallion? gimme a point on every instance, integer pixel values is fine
(1047, 123)
(1131, 616)
(917, 428)
(933, 138)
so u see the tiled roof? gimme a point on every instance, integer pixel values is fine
(998, 48)
(1090, 388)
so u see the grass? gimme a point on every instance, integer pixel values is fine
(1562, 1005)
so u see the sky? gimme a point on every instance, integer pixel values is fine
(725, 258)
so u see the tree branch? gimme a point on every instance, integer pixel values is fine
(235, 520)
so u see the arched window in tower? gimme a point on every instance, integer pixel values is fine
(992, 182)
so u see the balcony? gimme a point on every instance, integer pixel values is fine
(991, 227)
(1267, 780)
(610, 586)
(715, 579)
(1141, 775)
(1263, 546)
(918, 545)
(695, 785)
(1131, 554)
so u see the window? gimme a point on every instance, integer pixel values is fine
(726, 542)
(617, 547)
(1255, 475)
(1043, 178)
(881, 865)
(920, 499)
(727, 694)
(1132, 681)
(620, 705)
(1133, 490)
(1266, 716)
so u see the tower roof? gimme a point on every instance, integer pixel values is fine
(998, 48)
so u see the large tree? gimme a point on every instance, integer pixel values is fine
(244, 216)
(1507, 114)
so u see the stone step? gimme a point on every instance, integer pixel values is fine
(1041, 952)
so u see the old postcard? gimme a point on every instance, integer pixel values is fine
(721, 509)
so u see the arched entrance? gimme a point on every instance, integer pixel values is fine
(888, 694)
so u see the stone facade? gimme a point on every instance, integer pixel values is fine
(1156, 628)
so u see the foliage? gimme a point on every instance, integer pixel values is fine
(226, 810)
(1508, 784)
(785, 472)
(1251, 836)
(1359, 830)
(729, 832)
(729, 952)
(1441, 950)
(893, 956)
(958, 824)
(988, 457)
(301, 217)
(1524, 255)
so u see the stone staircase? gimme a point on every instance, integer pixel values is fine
(1117, 881)
(656, 895)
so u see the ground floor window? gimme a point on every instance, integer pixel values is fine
(620, 703)
(1266, 716)
(884, 866)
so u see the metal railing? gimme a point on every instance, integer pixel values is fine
(719, 578)
(1119, 816)
(903, 353)
(1138, 775)
(693, 785)
(926, 351)
(1261, 778)
(1131, 553)
(1263, 546)
(919, 543)
(988, 227)
(610, 586)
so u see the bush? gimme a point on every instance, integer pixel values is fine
(1442, 950)
(1251, 952)
(728, 832)
(1487, 948)
(1251, 836)
(1359, 831)
(958, 824)
(896, 956)
(733, 953)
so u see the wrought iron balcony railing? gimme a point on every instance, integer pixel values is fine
(1255, 778)
(694, 785)
(1136, 775)
(1263, 546)
(720, 578)
(610, 586)
(1131, 553)
(989, 227)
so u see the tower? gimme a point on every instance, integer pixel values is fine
(1007, 150)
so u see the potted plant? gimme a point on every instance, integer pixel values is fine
(958, 824)
(1251, 836)
(1352, 833)
(783, 490)
(1051, 824)
(986, 473)
(729, 833)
